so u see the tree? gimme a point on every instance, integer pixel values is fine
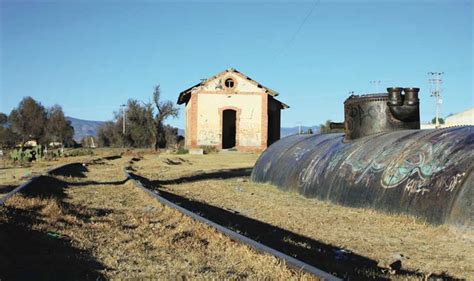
(168, 136)
(138, 119)
(433, 121)
(165, 109)
(58, 128)
(109, 134)
(3, 119)
(28, 120)
(326, 128)
(144, 125)
(7, 137)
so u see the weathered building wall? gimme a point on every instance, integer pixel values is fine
(257, 113)
(249, 112)
(187, 132)
(242, 85)
(274, 120)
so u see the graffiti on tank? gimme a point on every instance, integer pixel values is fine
(311, 171)
(359, 114)
(363, 165)
(428, 160)
(412, 170)
(413, 186)
(454, 182)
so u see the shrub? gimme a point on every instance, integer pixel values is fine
(182, 150)
(79, 152)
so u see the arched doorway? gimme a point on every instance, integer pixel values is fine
(228, 128)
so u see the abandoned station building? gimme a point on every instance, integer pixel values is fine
(230, 110)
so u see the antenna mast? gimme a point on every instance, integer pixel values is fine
(375, 84)
(435, 83)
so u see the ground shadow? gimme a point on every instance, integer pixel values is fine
(46, 186)
(6, 188)
(50, 187)
(76, 170)
(135, 159)
(114, 157)
(168, 161)
(220, 174)
(30, 254)
(329, 258)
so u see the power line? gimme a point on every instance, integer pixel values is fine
(316, 3)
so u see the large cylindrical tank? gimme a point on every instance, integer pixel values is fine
(425, 173)
(375, 113)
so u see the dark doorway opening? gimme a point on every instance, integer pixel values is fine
(228, 128)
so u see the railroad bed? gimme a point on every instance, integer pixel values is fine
(348, 242)
(94, 223)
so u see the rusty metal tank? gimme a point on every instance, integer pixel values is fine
(380, 162)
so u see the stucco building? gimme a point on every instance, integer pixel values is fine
(231, 110)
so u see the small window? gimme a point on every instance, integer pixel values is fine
(229, 83)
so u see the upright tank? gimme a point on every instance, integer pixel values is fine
(382, 161)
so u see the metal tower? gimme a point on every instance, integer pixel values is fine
(435, 88)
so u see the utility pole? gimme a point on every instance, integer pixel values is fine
(435, 83)
(375, 84)
(123, 118)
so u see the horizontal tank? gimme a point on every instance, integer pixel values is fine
(424, 173)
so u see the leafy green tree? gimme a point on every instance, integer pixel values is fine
(110, 134)
(144, 125)
(138, 117)
(8, 138)
(28, 120)
(165, 109)
(58, 128)
(3, 119)
(441, 120)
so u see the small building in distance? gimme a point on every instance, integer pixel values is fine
(230, 110)
(464, 118)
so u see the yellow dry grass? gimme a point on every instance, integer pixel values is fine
(101, 225)
(378, 236)
(14, 173)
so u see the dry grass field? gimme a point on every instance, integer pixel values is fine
(13, 174)
(219, 187)
(94, 224)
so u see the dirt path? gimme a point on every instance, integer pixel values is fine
(95, 224)
(219, 187)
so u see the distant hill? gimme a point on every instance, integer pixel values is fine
(84, 128)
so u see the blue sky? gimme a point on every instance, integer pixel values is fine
(90, 57)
